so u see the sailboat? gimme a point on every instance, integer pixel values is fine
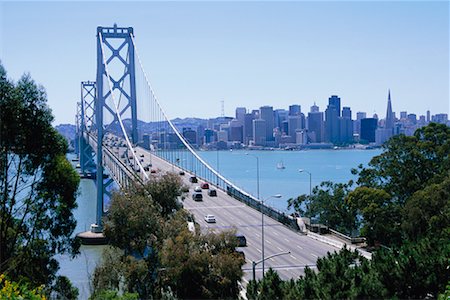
(280, 165)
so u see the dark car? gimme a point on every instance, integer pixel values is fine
(181, 173)
(196, 196)
(193, 179)
(205, 186)
(212, 193)
(242, 241)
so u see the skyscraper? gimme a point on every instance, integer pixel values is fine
(248, 128)
(368, 128)
(240, 113)
(259, 132)
(332, 119)
(389, 123)
(346, 126)
(266, 114)
(336, 101)
(314, 108)
(294, 110)
(315, 126)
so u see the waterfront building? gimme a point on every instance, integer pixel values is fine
(236, 131)
(266, 114)
(190, 135)
(240, 115)
(222, 136)
(280, 115)
(294, 123)
(368, 128)
(332, 120)
(315, 126)
(357, 123)
(248, 128)
(259, 132)
(346, 126)
(428, 116)
(209, 136)
(403, 115)
(200, 135)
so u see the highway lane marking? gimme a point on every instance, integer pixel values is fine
(293, 257)
(269, 242)
(280, 248)
(276, 233)
(299, 247)
(225, 206)
(282, 267)
(286, 240)
(312, 254)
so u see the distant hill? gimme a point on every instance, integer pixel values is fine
(67, 130)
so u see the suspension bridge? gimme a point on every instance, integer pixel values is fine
(123, 132)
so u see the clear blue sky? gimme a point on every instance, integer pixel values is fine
(245, 53)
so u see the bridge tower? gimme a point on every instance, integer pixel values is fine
(116, 94)
(87, 124)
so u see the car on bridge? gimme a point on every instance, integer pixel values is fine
(212, 193)
(205, 185)
(198, 189)
(193, 179)
(242, 241)
(196, 196)
(210, 219)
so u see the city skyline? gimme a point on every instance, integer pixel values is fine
(245, 54)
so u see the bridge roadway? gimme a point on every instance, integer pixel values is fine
(231, 213)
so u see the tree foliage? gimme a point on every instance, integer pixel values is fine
(38, 185)
(342, 275)
(154, 253)
(328, 203)
(401, 200)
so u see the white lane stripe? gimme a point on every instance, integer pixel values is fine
(225, 206)
(312, 254)
(300, 247)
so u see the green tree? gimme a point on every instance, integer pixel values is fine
(132, 223)
(427, 212)
(409, 163)
(416, 270)
(381, 218)
(165, 191)
(64, 290)
(38, 185)
(329, 204)
(198, 266)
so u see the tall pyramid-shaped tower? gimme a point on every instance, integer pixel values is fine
(389, 124)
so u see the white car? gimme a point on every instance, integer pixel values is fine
(210, 219)
(198, 189)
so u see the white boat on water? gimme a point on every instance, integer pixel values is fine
(281, 166)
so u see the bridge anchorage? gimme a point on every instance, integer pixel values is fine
(124, 132)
